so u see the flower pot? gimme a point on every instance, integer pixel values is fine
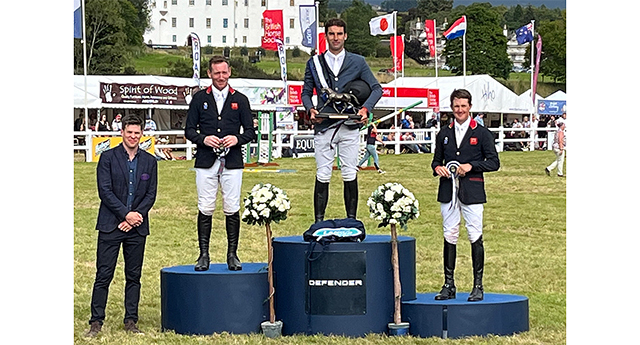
(398, 329)
(271, 330)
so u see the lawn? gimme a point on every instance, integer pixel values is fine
(525, 243)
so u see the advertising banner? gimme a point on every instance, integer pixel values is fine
(146, 93)
(273, 29)
(552, 107)
(102, 144)
(409, 95)
(308, 25)
(430, 32)
(295, 94)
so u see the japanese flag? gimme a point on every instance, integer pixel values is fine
(383, 25)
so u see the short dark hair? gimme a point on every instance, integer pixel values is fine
(334, 22)
(132, 119)
(460, 93)
(216, 59)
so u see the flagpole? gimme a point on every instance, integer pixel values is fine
(464, 53)
(86, 110)
(402, 57)
(317, 27)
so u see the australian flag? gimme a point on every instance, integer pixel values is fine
(525, 34)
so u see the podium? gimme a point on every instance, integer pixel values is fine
(343, 288)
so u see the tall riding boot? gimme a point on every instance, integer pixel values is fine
(320, 199)
(477, 258)
(351, 198)
(204, 233)
(232, 223)
(449, 258)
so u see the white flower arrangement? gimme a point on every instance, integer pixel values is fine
(391, 203)
(265, 203)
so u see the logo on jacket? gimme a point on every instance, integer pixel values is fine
(205, 106)
(446, 140)
(234, 106)
(473, 141)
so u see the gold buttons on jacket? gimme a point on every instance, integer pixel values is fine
(218, 130)
(219, 118)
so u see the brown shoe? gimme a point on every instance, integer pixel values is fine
(96, 327)
(130, 326)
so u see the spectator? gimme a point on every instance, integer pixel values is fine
(372, 137)
(149, 124)
(116, 125)
(559, 147)
(79, 126)
(103, 124)
(433, 121)
(480, 119)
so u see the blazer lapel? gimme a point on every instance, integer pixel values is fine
(345, 62)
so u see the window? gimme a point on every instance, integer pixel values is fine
(225, 2)
(174, 2)
(225, 22)
(208, 21)
(292, 23)
(193, 2)
(174, 22)
(224, 39)
(174, 38)
(286, 40)
(165, 4)
(208, 38)
(190, 22)
(246, 3)
(244, 39)
(208, 2)
(292, 3)
(262, 23)
(264, 3)
(246, 22)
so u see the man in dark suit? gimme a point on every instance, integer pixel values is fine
(219, 122)
(127, 183)
(464, 151)
(339, 71)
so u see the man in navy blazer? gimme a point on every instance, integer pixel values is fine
(464, 152)
(127, 183)
(338, 70)
(219, 122)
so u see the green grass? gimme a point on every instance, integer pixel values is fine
(525, 243)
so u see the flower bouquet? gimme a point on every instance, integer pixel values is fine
(392, 204)
(267, 203)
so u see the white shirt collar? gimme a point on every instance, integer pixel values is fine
(463, 126)
(335, 61)
(220, 94)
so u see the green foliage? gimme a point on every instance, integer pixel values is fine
(383, 51)
(207, 50)
(553, 61)
(296, 52)
(398, 5)
(244, 51)
(525, 234)
(243, 69)
(359, 36)
(486, 44)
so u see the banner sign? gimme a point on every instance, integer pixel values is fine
(552, 107)
(308, 25)
(304, 144)
(397, 51)
(146, 93)
(408, 95)
(102, 144)
(273, 29)
(285, 115)
(195, 43)
(295, 94)
(430, 32)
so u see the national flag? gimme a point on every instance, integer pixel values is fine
(382, 25)
(322, 46)
(457, 29)
(273, 28)
(308, 25)
(430, 33)
(77, 19)
(525, 34)
(397, 51)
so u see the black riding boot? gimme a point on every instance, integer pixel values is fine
(204, 233)
(449, 258)
(320, 198)
(351, 198)
(232, 223)
(477, 258)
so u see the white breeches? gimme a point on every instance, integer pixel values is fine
(451, 221)
(347, 142)
(229, 182)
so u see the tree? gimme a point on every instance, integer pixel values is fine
(486, 44)
(553, 61)
(359, 36)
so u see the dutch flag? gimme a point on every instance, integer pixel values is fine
(457, 29)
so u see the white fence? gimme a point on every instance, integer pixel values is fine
(525, 139)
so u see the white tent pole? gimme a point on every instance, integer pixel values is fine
(86, 110)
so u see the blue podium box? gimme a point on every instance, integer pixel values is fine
(345, 288)
(497, 314)
(214, 301)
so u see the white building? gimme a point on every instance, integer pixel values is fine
(221, 23)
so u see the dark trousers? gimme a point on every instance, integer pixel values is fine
(106, 258)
